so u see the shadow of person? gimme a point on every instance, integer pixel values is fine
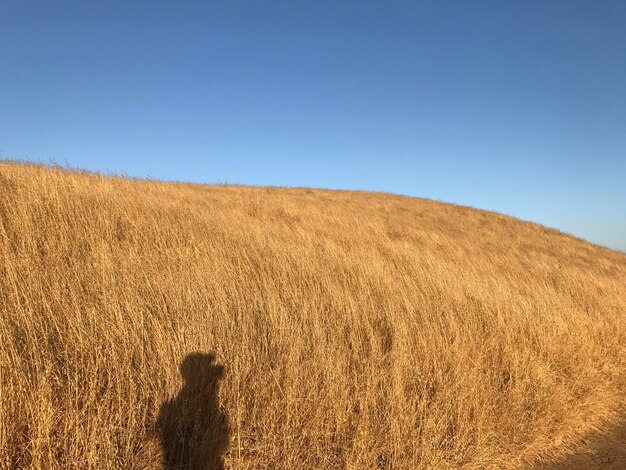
(193, 430)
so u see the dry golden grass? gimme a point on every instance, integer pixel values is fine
(356, 330)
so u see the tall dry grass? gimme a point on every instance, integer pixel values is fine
(356, 330)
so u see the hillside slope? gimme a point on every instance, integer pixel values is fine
(349, 329)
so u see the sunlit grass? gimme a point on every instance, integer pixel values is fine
(357, 330)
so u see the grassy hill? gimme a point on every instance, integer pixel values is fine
(143, 322)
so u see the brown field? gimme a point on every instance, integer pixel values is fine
(349, 329)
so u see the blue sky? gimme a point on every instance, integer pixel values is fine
(516, 107)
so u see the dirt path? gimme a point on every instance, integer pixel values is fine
(608, 452)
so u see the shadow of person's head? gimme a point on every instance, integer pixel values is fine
(193, 429)
(198, 369)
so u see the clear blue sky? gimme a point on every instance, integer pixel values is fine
(517, 107)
